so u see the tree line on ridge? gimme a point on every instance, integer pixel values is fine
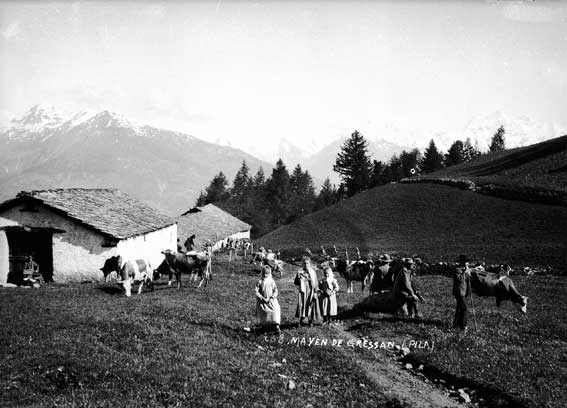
(270, 202)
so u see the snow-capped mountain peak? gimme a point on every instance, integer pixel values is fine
(42, 121)
(38, 117)
(107, 119)
(519, 130)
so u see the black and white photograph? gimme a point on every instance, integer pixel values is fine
(283, 203)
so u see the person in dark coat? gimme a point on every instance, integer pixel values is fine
(405, 289)
(461, 289)
(307, 297)
(383, 279)
(190, 243)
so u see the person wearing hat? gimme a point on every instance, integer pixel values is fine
(404, 288)
(461, 289)
(268, 310)
(383, 278)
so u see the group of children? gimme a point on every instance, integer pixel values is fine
(316, 299)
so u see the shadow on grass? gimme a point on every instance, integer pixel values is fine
(115, 289)
(350, 314)
(227, 329)
(396, 319)
(111, 290)
(492, 397)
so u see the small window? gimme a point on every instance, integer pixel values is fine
(109, 242)
(29, 207)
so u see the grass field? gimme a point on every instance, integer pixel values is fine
(511, 358)
(541, 165)
(87, 345)
(435, 222)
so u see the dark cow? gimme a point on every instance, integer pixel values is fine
(112, 264)
(176, 263)
(360, 271)
(129, 272)
(402, 297)
(498, 285)
(467, 279)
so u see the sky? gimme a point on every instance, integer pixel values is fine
(251, 73)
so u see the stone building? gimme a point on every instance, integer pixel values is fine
(209, 222)
(71, 232)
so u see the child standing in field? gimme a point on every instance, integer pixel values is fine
(329, 288)
(267, 305)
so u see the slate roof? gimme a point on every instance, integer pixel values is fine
(110, 211)
(208, 222)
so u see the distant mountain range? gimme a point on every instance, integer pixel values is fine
(320, 164)
(49, 149)
(519, 130)
(46, 148)
(389, 138)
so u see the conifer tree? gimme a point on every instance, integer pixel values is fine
(432, 159)
(378, 176)
(278, 191)
(498, 143)
(302, 198)
(201, 200)
(217, 190)
(259, 178)
(353, 164)
(395, 168)
(410, 162)
(242, 182)
(259, 193)
(327, 196)
(470, 152)
(455, 154)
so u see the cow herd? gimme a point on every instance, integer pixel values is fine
(392, 288)
(389, 280)
(130, 272)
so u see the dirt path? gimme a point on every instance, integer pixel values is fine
(396, 382)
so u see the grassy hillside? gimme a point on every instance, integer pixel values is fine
(435, 222)
(542, 165)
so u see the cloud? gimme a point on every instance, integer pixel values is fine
(529, 13)
(154, 11)
(11, 31)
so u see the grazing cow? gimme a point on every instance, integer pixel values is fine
(259, 256)
(129, 272)
(360, 271)
(467, 279)
(176, 264)
(498, 285)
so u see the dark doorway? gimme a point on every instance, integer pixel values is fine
(35, 243)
